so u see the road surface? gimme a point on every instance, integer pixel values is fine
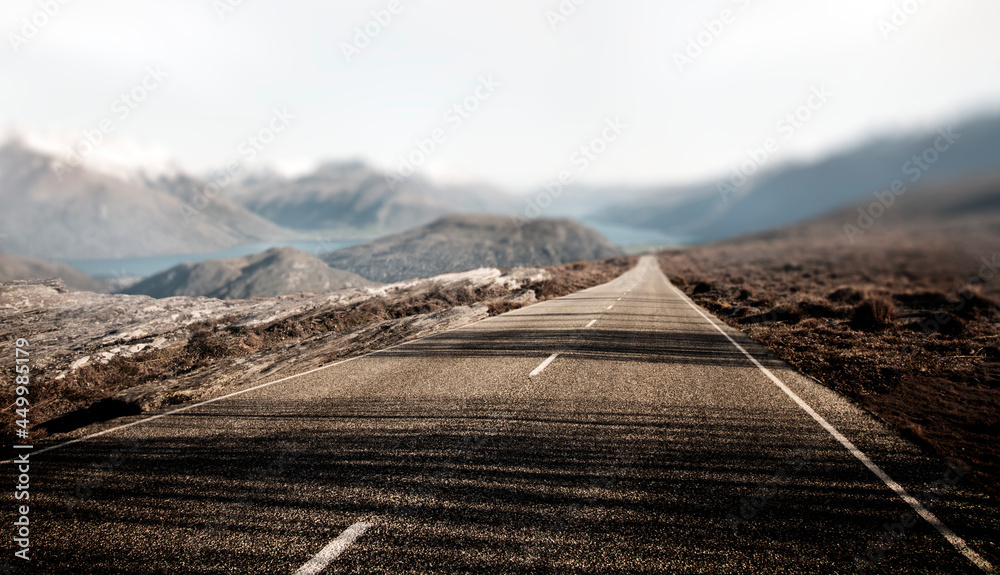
(616, 430)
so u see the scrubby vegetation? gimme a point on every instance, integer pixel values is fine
(907, 328)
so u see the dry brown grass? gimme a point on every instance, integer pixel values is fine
(892, 323)
(875, 312)
(499, 307)
(576, 276)
(569, 278)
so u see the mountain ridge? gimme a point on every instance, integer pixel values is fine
(797, 192)
(83, 214)
(468, 241)
(353, 195)
(275, 272)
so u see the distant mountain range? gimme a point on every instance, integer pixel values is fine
(89, 214)
(964, 208)
(352, 196)
(465, 242)
(792, 193)
(84, 213)
(276, 272)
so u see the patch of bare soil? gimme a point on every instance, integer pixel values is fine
(905, 321)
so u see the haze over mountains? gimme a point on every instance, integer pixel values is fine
(353, 196)
(95, 215)
(466, 242)
(22, 268)
(90, 214)
(784, 195)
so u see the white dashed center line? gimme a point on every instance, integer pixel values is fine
(544, 364)
(611, 306)
(333, 549)
(592, 322)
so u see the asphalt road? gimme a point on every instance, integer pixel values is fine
(649, 444)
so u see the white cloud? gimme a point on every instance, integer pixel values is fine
(606, 59)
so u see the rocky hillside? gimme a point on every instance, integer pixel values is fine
(464, 242)
(100, 356)
(19, 268)
(276, 272)
(57, 213)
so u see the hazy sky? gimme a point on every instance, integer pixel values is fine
(560, 80)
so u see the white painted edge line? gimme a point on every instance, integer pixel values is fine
(185, 408)
(333, 549)
(948, 534)
(592, 322)
(248, 390)
(544, 364)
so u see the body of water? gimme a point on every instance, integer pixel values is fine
(625, 236)
(141, 267)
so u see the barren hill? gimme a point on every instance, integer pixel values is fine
(278, 271)
(464, 242)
